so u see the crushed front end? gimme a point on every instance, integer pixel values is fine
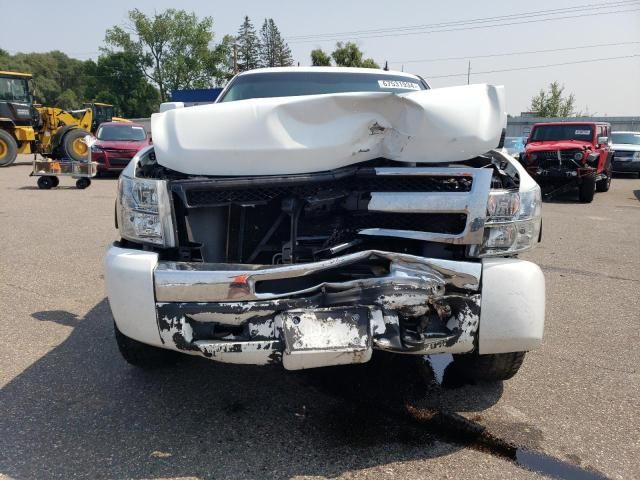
(558, 171)
(319, 269)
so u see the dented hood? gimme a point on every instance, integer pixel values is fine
(287, 135)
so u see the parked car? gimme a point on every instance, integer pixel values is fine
(563, 156)
(116, 145)
(514, 146)
(626, 156)
(306, 219)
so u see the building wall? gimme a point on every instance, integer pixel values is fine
(521, 126)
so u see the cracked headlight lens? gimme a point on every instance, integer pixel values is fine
(144, 212)
(513, 222)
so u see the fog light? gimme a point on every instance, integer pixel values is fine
(499, 236)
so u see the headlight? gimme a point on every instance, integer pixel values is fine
(636, 156)
(578, 156)
(513, 223)
(144, 211)
(95, 149)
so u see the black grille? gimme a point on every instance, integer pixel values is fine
(622, 154)
(217, 195)
(549, 159)
(119, 161)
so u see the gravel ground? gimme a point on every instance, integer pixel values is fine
(70, 407)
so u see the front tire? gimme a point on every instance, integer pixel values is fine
(494, 367)
(604, 184)
(143, 356)
(8, 149)
(74, 146)
(587, 189)
(47, 182)
(83, 183)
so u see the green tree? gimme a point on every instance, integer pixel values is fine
(369, 63)
(58, 80)
(283, 57)
(248, 46)
(171, 48)
(553, 102)
(119, 81)
(222, 64)
(349, 55)
(319, 58)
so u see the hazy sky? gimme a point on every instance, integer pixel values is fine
(610, 87)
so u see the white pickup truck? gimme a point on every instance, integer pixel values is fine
(313, 215)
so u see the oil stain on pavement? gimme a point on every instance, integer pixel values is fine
(380, 408)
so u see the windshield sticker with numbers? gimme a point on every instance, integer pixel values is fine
(401, 84)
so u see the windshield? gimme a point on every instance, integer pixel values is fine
(121, 132)
(629, 138)
(288, 84)
(14, 90)
(545, 133)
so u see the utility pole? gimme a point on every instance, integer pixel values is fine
(469, 72)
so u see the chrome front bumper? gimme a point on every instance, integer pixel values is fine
(306, 315)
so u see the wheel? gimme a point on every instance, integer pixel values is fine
(587, 189)
(83, 183)
(144, 356)
(604, 184)
(46, 183)
(55, 180)
(74, 145)
(494, 367)
(8, 149)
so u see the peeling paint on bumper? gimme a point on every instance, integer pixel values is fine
(331, 323)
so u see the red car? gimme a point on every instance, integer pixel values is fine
(116, 144)
(563, 156)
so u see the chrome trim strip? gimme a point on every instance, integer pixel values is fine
(201, 282)
(472, 203)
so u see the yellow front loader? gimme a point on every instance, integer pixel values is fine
(52, 132)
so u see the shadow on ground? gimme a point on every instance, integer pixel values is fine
(81, 412)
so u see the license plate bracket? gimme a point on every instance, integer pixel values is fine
(323, 337)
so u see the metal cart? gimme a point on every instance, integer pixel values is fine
(49, 170)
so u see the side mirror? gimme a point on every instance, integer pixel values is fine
(603, 140)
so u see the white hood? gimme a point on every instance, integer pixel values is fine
(287, 135)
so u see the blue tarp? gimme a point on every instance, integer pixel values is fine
(196, 95)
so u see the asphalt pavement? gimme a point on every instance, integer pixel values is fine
(70, 407)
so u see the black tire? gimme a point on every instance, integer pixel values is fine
(83, 183)
(73, 145)
(56, 181)
(46, 183)
(144, 356)
(587, 189)
(8, 149)
(604, 184)
(494, 367)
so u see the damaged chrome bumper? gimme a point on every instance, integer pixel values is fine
(302, 315)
